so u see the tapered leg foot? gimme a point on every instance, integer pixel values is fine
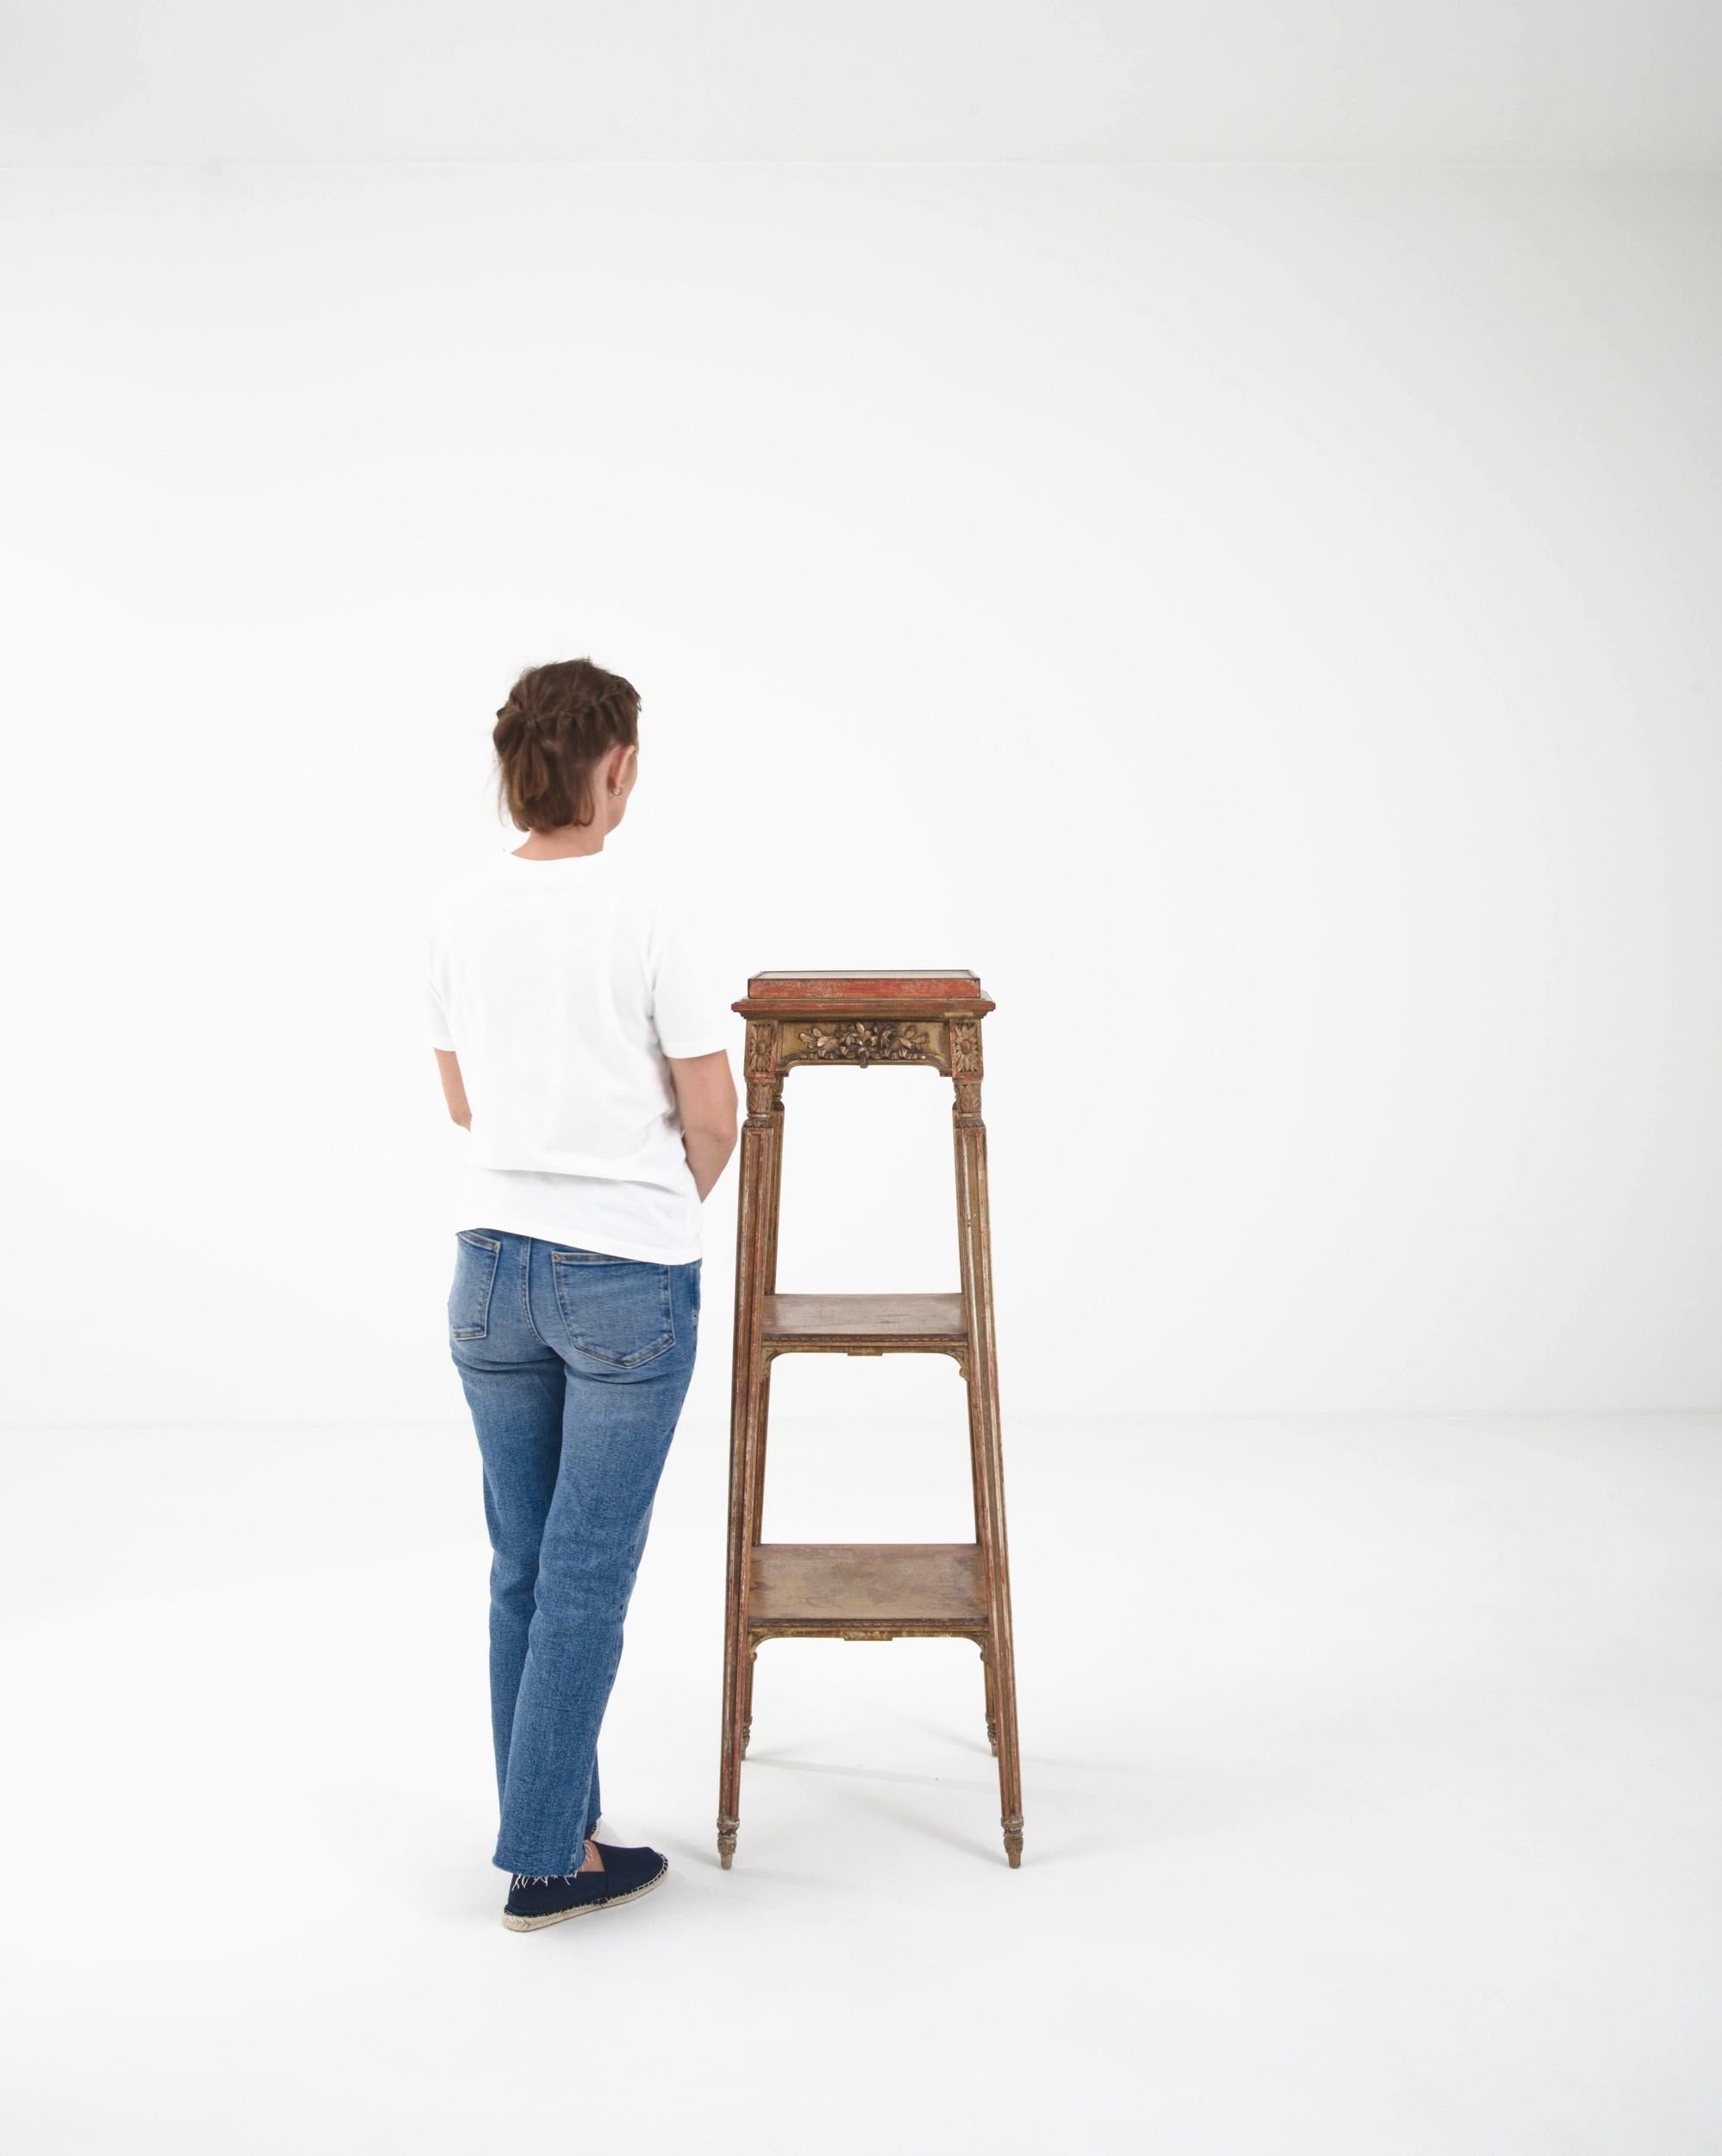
(747, 1731)
(993, 1736)
(726, 1841)
(1013, 1842)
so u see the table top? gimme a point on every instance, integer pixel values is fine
(861, 991)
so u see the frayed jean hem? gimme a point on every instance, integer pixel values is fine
(535, 1870)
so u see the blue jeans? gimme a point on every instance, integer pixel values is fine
(575, 1365)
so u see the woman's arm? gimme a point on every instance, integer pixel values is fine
(453, 1085)
(706, 1093)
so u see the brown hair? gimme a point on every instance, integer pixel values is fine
(558, 721)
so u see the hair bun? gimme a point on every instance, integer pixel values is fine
(571, 712)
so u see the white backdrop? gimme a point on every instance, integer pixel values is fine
(1263, 621)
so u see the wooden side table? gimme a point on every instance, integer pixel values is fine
(863, 1590)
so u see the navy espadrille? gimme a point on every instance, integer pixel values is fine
(537, 1900)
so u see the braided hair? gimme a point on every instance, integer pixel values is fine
(559, 720)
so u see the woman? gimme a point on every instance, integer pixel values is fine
(581, 1040)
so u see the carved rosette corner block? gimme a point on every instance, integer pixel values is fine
(760, 1068)
(965, 1038)
(965, 1067)
(863, 1041)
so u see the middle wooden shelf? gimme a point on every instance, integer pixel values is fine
(864, 1324)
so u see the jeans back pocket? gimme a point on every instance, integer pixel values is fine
(475, 1272)
(617, 1309)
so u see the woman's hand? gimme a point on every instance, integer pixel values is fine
(453, 1085)
(706, 1094)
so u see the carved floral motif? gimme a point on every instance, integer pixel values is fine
(965, 1038)
(866, 1040)
(759, 1057)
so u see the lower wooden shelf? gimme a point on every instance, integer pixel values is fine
(864, 1324)
(867, 1590)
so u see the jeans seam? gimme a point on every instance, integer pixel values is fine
(528, 1245)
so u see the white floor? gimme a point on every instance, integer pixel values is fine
(1371, 1774)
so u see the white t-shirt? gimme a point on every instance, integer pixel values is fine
(562, 985)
